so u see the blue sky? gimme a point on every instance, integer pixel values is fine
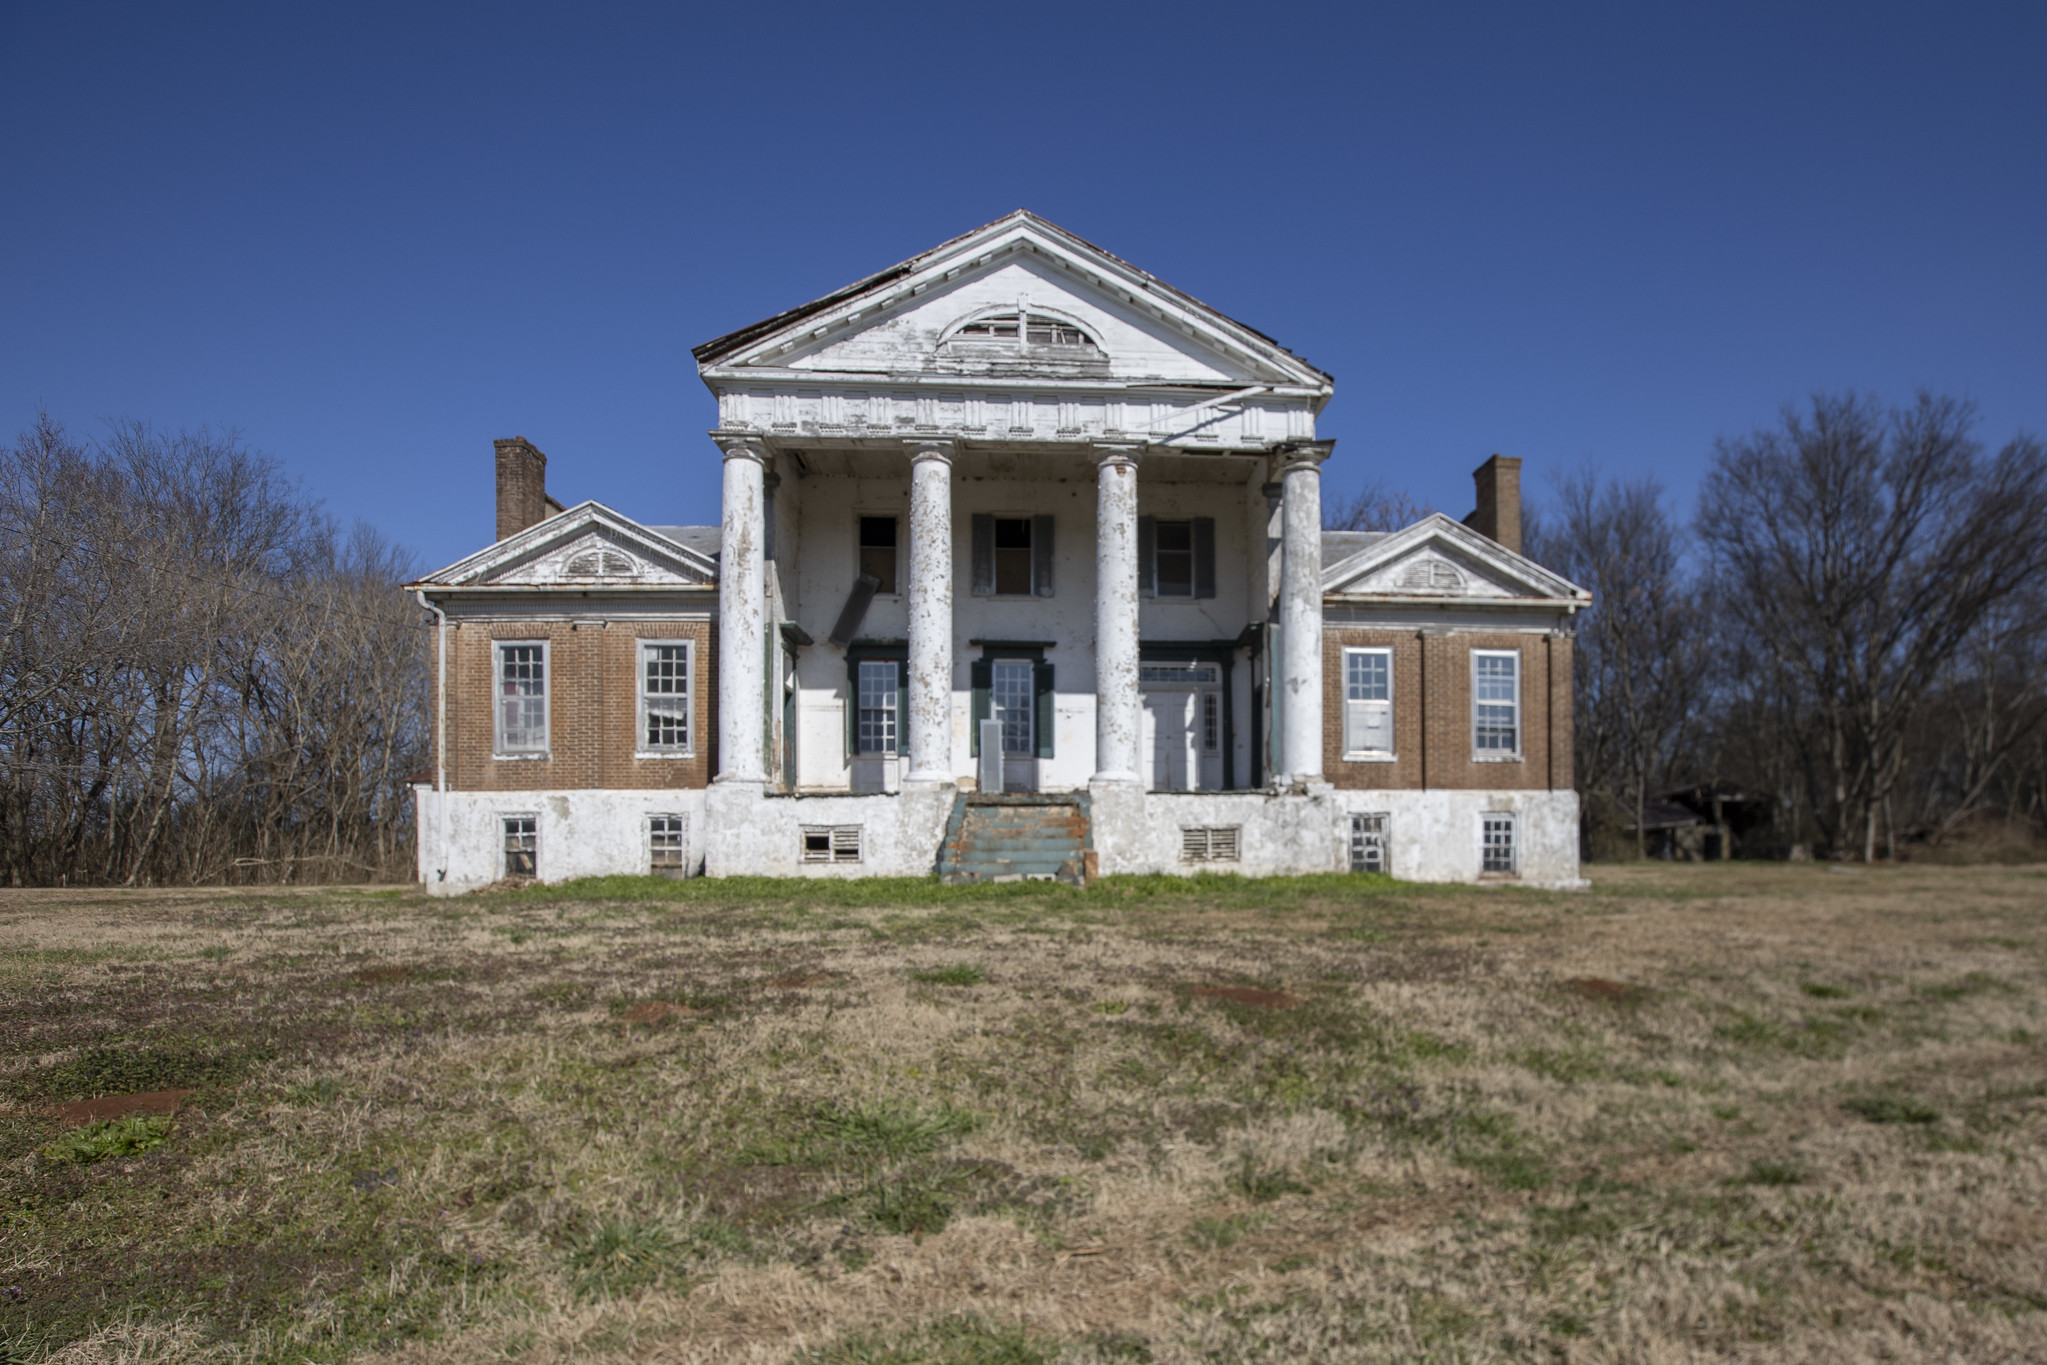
(373, 238)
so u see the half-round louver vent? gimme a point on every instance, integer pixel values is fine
(1432, 575)
(601, 564)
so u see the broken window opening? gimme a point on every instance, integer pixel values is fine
(878, 551)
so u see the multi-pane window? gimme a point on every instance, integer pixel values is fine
(665, 695)
(1173, 559)
(1368, 701)
(1211, 722)
(667, 842)
(1013, 557)
(1011, 701)
(1368, 843)
(878, 551)
(522, 699)
(522, 845)
(879, 725)
(1496, 845)
(1038, 331)
(1496, 703)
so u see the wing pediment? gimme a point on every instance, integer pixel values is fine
(588, 546)
(1437, 559)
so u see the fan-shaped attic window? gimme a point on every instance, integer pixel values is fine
(601, 564)
(1039, 331)
(1432, 575)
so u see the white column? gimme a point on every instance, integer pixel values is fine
(742, 617)
(1117, 706)
(1300, 613)
(930, 681)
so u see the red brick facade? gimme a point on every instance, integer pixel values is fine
(1432, 713)
(593, 707)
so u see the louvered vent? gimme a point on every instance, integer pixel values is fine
(1432, 575)
(1209, 843)
(831, 843)
(601, 564)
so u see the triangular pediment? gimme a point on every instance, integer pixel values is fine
(1437, 559)
(588, 546)
(970, 306)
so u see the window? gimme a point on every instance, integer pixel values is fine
(1496, 845)
(878, 551)
(667, 844)
(1211, 722)
(1175, 572)
(1012, 701)
(1496, 704)
(522, 699)
(522, 845)
(1039, 331)
(1189, 675)
(1208, 844)
(1369, 850)
(1012, 556)
(1368, 703)
(879, 730)
(665, 696)
(831, 843)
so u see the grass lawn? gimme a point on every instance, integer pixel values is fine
(1699, 1112)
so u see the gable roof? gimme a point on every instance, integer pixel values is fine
(1021, 231)
(1515, 570)
(524, 560)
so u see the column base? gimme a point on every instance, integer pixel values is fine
(1116, 823)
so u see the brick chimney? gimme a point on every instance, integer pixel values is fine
(1498, 515)
(522, 486)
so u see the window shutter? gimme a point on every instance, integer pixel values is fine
(1041, 708)
(981, 674)
(852, 708)
(1204, 556)
(984, 555)
(1147, 556)
(1041, 556)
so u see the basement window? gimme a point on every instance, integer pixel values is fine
(1497, 852)
(831, 843)
(1369, 850)
(522, 845)
(667, 842)
(1209, 843)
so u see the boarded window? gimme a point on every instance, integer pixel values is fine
(831, 843)
(1369, 848)
(522, 845)
(1368, 701)
(1209, 843)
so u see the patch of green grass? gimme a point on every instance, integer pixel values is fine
(128, 1136)
(963, 1340)
(958, 974)
(1891, 1109)
(864, 1135)
(620, 1255)
(119, 1070)
(1219, 1234)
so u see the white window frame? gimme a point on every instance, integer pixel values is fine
(1513, 825)
(688, 748)
(504, 837)
(1513, 755)
(1388, 754)
(682, 867)
(898, 723)
(497, 699)
(1360, 834)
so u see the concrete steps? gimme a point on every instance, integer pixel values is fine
(1013, 837)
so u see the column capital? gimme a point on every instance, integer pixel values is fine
(922, 448)
(742, 446)
(1301, 455)
(1117, 453)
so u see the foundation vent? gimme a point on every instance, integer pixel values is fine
(1209, 843)
(831, 843)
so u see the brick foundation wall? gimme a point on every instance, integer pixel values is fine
(1432, 730)
(593, 707)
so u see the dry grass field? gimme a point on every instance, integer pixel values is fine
(1698, 1113)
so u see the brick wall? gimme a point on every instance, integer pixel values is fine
(593, 707)
(1432, 730)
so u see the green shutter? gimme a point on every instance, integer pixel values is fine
(982, 676)
(1041, 707)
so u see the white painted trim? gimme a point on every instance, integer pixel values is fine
(689, 699)
(1390, 755)
(1479, 755)
(497, 711)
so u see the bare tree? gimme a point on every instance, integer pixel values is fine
(1376, 507)
(1856, 552)
(1640, 652)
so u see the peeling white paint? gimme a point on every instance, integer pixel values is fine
(930, 681)
(742, 629)
(1117, 717)
(1300, 604)
(581, 833)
